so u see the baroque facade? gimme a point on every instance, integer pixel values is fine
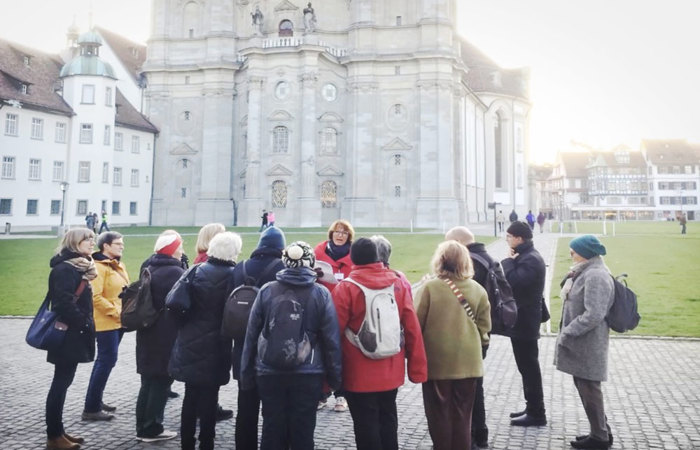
(374, 111)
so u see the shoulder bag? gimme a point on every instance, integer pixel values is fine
(47, 332)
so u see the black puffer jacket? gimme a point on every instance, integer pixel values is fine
(154, 344)
(64, 280)
(526, 275)
(201, 356)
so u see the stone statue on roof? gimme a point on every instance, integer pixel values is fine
(309, 19)
(257, 21)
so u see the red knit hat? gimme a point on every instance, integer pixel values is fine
(168, 244)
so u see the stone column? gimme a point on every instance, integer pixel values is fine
(309, 202)
(254, 183)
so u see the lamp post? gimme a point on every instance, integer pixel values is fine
(64, 188)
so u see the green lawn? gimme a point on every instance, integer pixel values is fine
(24, 264)
(662, 271)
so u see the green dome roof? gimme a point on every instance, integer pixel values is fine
(87, 65)
(90, 37)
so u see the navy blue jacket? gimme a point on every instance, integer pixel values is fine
(321, 322)
(526, 275)
(201, 356)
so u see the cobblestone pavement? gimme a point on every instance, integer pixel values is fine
(652, 400)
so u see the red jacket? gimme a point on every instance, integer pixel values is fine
(361, 374)
(343, 265)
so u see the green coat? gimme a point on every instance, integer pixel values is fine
(452, 340)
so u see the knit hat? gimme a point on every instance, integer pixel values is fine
(272, 237)
(363, 251)
(520, 229)
(167, 244)
(587, 246)
(298, 254)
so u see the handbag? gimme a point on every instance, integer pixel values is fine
(46, 331)
(545, 311)
(178, 299)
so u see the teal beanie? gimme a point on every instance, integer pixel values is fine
(587, 246)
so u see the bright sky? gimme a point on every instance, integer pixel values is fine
(603, 72)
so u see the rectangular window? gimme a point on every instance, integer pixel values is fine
(5, 206)
(86, 133)
(81, 208)
(132, 208)
(115, 208)
(37, 128)
(11, 124)
(117, 176)
(105, 172)
(88, 94)
(108, 96)
(60, 132)
(58, 171)
(103, 206)
(398, 21)
(84, 172)
(32, 205)
(108, 135)
(118, 141)
(55, 207)
(134, 177)
(8, 167)
(34, 169)
(135, 144)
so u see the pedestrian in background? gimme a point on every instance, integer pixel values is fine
(70, 294)
(540, 221)
(263, 225)
(530, 218)
(271, 219)
(111, 279)
(454, 337)
(513, 216)
(582, 344)
(90, 221)
(104, 226)
(683, 220)
(501, 219)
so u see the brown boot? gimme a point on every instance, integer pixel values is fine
(74, 439)
(61, 443)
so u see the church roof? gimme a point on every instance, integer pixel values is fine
(130, 53)
(671, 151)
(129, 117)
(486, 76)
(40, 76)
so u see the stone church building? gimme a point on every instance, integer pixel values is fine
(378, 112)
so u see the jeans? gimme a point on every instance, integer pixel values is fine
(374, 418)
(289, 410)
(526, 355)
(62, 378)
(199, 403)
(107, 351)
(150, 405)
(103, 226)
(247, 419)
(448, 408)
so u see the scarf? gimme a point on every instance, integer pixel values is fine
(337, 251)
(85, 266)
(568, 281)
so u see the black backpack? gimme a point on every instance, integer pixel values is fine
(623, 315)
(138, 312)
(286, 343)
(504, 310)
(239, 303)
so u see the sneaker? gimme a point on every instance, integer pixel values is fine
(96, 416)
(108, 408)
(164, 436)
(340, 404)
(322, 404)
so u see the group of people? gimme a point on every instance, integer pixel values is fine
(268, 219)
(331, 318)
(91, 221)
(513, 217)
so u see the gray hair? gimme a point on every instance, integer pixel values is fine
(383, 248)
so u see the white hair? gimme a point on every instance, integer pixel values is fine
(225, 246)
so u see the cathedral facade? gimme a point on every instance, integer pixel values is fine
(374, 111)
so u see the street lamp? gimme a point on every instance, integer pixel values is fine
(64, 188)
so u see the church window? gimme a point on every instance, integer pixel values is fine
(184, 163)
(108, 96)
(329, 141)
(329, 194)
(88, 94)
(187, 115)
(398, 21)
(191, 33)
(191, 16)
(397, 191)
(280, 140)
(286, 28)
(397, 160)
(27, 60)
(279, 194)
(183, 192)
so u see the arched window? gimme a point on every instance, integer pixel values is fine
(329, 141)
(279, 194)
(498, 151)
(190, 19)
(280, 140)
(286, 28)
(184, 162)
(329, 194)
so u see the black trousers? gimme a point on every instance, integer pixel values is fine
(63, 375)
(374, 418)
(526, 354)
(199, 403)
(289, 405)
(150, 405)
(247, 419)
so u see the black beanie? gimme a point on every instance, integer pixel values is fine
(363, 251)
(520, 229)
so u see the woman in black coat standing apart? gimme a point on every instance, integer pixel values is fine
(154, 344)
(201, 357)
(72, 269)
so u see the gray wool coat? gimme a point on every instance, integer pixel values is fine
(582, 344)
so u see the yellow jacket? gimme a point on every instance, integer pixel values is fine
(111, 278)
